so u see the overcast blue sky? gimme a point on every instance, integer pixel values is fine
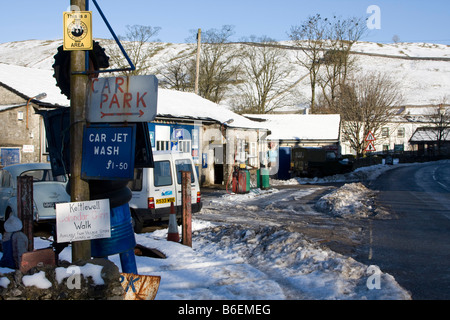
(411, 20)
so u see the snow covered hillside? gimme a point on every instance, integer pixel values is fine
(423, 70)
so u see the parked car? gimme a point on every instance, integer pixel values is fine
(154, 189)
(47, 190)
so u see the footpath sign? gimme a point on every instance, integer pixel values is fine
(86, 220)
(108, 152)
(122, 99)
(370, 147)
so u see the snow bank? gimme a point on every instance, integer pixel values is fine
(302, 269)
(351, 200)
(359, 175)
(230, 262)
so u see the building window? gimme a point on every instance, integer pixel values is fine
(162, 145)
(385, 132)
(399, 147)
(162, 174)
(240, 152)
(253, 155)
(184, 146)
(401, 132)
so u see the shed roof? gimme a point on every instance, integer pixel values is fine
(428, 134)
(301, 127)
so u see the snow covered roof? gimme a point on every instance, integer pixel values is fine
(301, 126)
(189, 105)
(31, 82)
(423, 135)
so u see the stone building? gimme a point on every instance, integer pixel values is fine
(22, 134)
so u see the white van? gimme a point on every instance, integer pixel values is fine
(155, 188)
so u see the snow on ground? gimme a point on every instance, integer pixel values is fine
(358, 175)
(232, 262)
(352, 200)
(267, 263)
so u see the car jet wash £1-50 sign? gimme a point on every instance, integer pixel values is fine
(86, 220)
(108, 152)
(122, 99)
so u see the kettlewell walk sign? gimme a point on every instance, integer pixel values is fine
(86, 220)
(122, 99)
(77, 30)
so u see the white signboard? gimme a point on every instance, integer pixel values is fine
(87, 220)
(28, 148)
(122, 99)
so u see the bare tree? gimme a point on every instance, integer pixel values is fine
(441, 120)
(337, 62)
(266, 69)
(178, 74)
(217, 66)
(396, 38)
(365, 104)
(310, 37)
(137, 44)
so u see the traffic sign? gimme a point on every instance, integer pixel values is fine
(370, 147)
(108, 152)
(78, 30)
(122, 99)
(370, 137)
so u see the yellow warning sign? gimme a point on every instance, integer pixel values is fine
(78, 30)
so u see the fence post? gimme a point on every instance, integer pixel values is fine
(187, 208)
(25, 207)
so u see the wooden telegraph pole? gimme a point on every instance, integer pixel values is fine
(187, 208)
(197, 70)
(79, 189)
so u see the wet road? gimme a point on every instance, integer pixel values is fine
(414, 246)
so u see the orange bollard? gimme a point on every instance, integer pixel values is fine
(173, 234)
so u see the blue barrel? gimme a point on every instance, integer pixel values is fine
(122, 235)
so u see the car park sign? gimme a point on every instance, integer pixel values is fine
(122, 99)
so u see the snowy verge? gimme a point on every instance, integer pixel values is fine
(352, 200)
(265, 263)
(233, 262)
(359, 175)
